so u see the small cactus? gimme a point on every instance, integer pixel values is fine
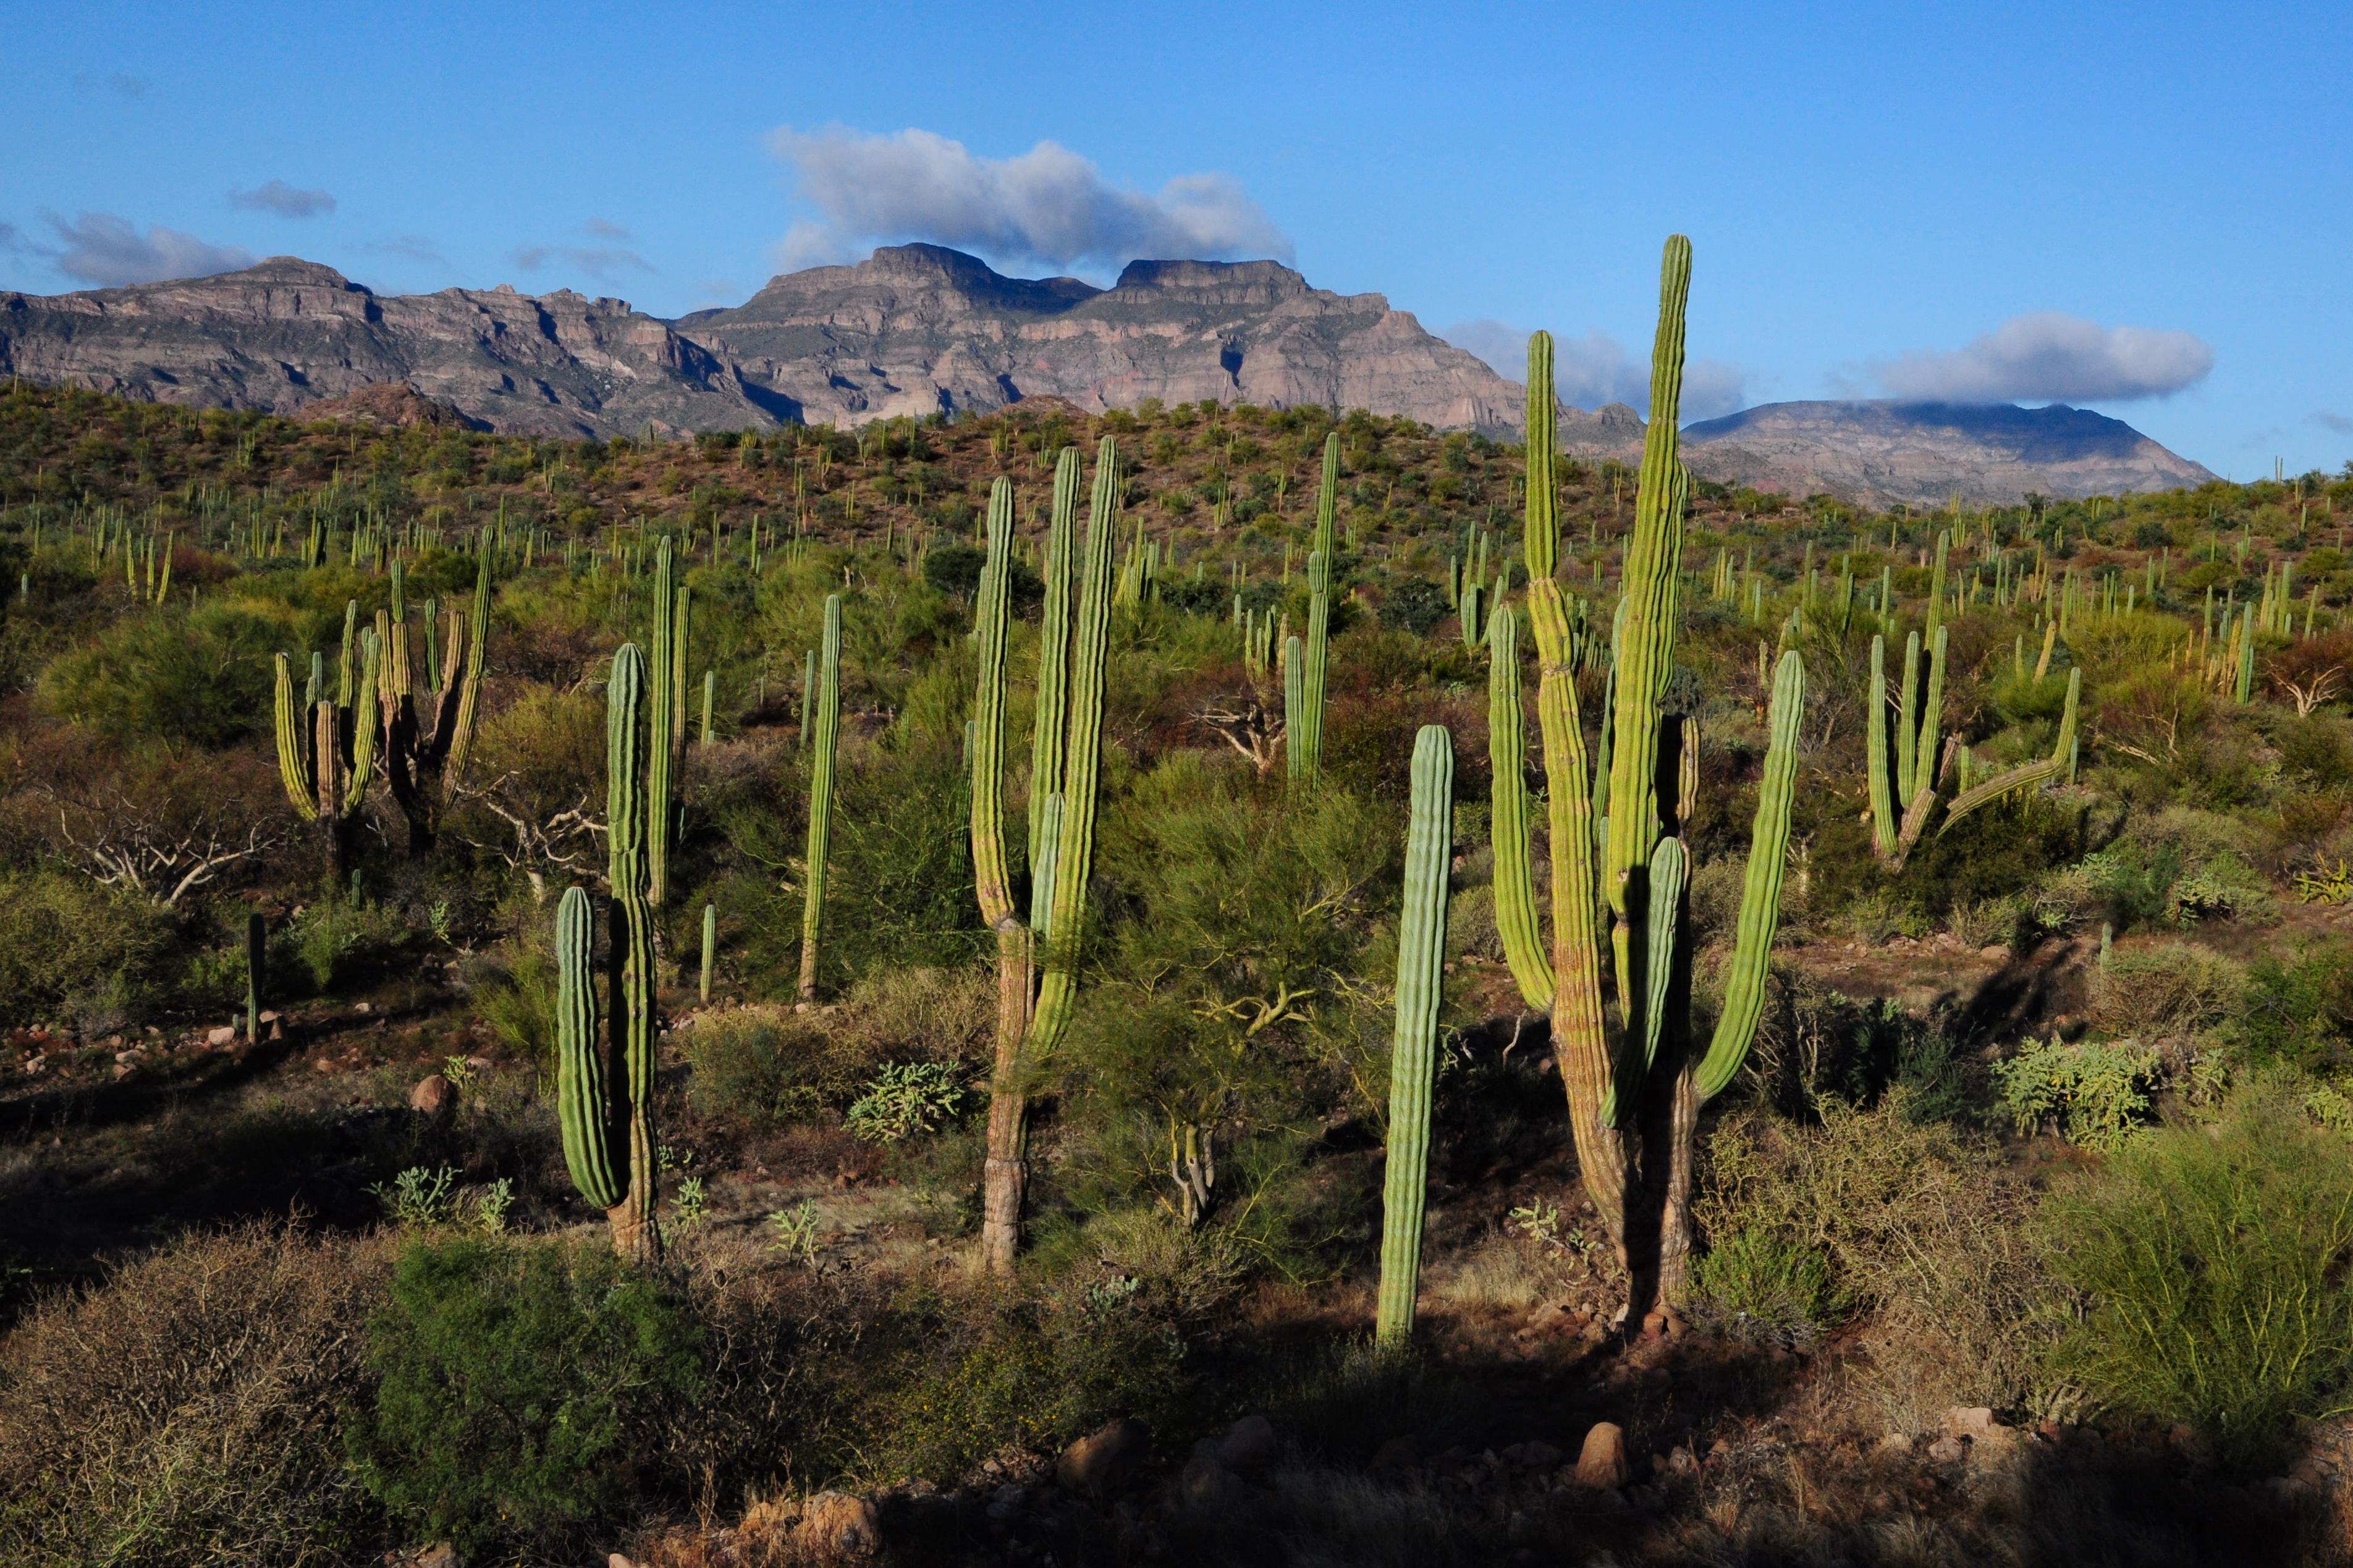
(820, 810)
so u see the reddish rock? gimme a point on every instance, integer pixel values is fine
(1089, 1464)
(1601, 1462)
(836, 1526)
(434, 1095)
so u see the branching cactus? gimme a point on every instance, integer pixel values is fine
(823, 748)
(1420, 976)
(1031, 1017)
(2026, 775)
(1904, 776)
(605, 1088)
(1634, 1083)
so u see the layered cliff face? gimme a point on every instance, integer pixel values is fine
(918, 329)
(1923, 453)
(287, 333)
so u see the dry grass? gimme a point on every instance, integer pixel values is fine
(2167, 990)
(187, 1410)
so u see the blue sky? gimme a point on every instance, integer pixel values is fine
(2142, 209)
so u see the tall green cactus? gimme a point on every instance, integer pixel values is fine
(605, 1093)
(664, 696)
(1065, 764)
(820, 808)
(1304, 731)
(1298, 719)
(1633, 1089)
(1420, 975)
(257, 957)
(709, 946)
(1904, 775)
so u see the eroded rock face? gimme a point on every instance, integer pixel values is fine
(919, 329)
(285, 334)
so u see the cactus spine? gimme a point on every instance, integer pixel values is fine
(1421, 975)
(1030, 1021)
(1641, 1083)
(820, 810)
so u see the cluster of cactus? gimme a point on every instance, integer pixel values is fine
(1633, 1091)
(605, 1078)
(824, 744)
(422, 731)
(1034, 1009)
(1904, 787)
(1421, 975)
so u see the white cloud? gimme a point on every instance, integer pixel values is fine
(1596, 369)
(108, 250)
(282, 199)
(2047, 357)
(2336, 424)
(1048, 204)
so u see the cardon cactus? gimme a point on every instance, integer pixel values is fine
(664, 696)
(1904, 776)
(709, 945)
(257, 957)
(828, 723)
(605, 1096)
(1634, 1086)
(2026, 775)
(1420, 975)
(1031, 1019)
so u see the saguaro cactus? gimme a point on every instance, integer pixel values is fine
(1421, 973)
(605, 1097)
(820, 809)
(1031, 1018)
(1634, 1090)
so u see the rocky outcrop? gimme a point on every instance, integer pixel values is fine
(919, 329)
(286, 333)
(1922, 453)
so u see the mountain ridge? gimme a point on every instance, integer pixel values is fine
(922, 328)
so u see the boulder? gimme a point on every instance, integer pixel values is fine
(225, 1035)
(1208, 1485)
(1249, 1443)
(838, 1525)
(1087, 1465)
(1601, 1463)
(434, 1095)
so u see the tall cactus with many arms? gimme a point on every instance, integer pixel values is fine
(605, 1089)
(1420, 976)
(820, 811)
(1637, 1087)
(1030, 1021)
(1903, 776)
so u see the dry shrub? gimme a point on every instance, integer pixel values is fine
(2168, 991)
(1923, 1229)
(187, 1410)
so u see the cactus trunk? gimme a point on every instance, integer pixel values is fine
(1421, 964)
(257, 955)
(820, 809)
(709, 945)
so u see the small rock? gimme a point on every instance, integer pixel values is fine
(1601, 1463)
(1005, 1503)
(441, 1556)
(1209, 1485)
(768, 1519)
(223, 1035)
(434, 1095)
(269, 1015)
(363, 1008)
(618, 1560)
(129, 1056)
(1249, 1443)
(1948, 1450)
(1682, 1462)
(1967, 1421)
(838, 1525)
(1994, 952)
(1087, 1465)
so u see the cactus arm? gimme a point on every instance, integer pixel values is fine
(291, 770)
(1907, 740)
(1420, 975)
(709, 945)
(678, 667)
(364, 725)
(1932, 717)
(470, 685)
(1295, 742)
(582, 1098)
(1041, 872)
(709, 695)
(1760, 896)
(661, 700)
(1074, 860)
(1328, 495)
(1540, 532)
(1516, 896)
(1668, 866)
(1319, 623)
(821, 767)
(991, 884)
(1050, 729)
(1882, 793)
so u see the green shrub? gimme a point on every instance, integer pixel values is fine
(70, 948)
(514, 1380)
(905, 1099)
(2096, 1091)
(344, 938)
(2167, 990)
(1769, 1282)
(2211, 1261)
(199, 675)
(766, 1065)
(2300, 1010)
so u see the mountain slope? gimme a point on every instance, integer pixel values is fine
(919, 329)
(1923, 452)
(286, 333)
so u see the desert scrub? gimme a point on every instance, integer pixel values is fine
(2210, 1264)
(2095, 1092)
(71, 948)
(905, 1098)
(510, 1376)
(2167, 990)
(185, 1410)
(1762, 1283)
(2299, 1010)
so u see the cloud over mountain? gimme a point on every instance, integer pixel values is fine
(1048, 204)
(109, 250)
(2046, 356)
(1595, 370)
(283, 200)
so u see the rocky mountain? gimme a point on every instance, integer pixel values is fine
(287, 333)
(919, 329)
(1924, 452)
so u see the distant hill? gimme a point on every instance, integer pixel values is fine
(1923, 452)
(921, 330)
